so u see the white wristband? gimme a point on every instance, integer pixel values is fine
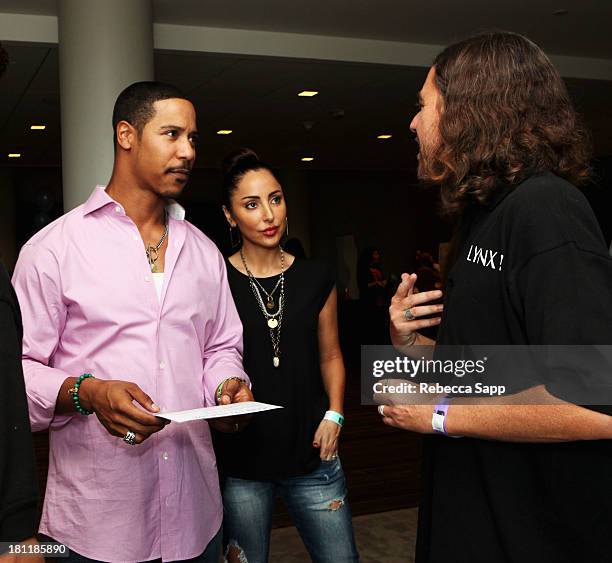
(334, 417)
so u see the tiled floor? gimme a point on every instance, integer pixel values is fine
(386, 537)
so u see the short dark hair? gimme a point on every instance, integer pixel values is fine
(505, 114)
(135, 103)
(4, 59)
(234, 167)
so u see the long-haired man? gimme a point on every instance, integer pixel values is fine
(526, 482)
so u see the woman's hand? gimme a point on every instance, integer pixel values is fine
(406, 310)
(326, 438)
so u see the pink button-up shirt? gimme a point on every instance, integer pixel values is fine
(89, 305)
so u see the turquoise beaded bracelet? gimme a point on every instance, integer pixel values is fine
(74, 391)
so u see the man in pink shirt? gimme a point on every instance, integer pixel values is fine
(125, 289)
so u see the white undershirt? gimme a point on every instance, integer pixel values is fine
(158, 280)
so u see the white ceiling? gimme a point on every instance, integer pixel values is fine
(584, 31)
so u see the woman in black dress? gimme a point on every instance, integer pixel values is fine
(292, 355)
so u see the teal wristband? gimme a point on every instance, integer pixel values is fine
(334, 417)
(74, 391)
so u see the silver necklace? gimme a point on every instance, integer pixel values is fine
(153, 251)
(274, 320)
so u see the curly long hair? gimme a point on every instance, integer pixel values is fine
(505, 115)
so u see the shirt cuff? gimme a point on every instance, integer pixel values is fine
(43, 384)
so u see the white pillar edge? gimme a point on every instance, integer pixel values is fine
(24, 28)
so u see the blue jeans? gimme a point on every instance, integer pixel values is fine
(316, 502)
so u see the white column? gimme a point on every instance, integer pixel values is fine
(103, 47)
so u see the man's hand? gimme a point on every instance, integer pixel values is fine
(233, 391)
(326, 438)
(113, 403)
(408, 411)
(416, 418)
(403, 331)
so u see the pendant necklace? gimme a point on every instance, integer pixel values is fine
(274, 320)
(153, 250)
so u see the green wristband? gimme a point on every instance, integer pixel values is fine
(219, 392)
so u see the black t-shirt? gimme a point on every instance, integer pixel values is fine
(18, 491)
(541, 275)
(278, 444)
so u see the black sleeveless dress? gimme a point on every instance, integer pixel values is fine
(278, 444)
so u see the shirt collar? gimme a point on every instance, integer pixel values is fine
(99, 198)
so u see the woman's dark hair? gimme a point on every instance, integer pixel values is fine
(233, 168)
(505, 114)
(295, 247)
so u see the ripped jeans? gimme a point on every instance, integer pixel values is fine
(317, 505)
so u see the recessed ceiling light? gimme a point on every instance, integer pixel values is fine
(38, 127)
(224, 132)
(307, 158)
(308, 93)
(384, 136)
(14, 155)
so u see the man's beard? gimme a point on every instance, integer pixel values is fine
(426, 157)
(423, 162)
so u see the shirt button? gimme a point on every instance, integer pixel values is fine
(162, 365)
(135, 237)
(117, 209)
(165, 456)
(147, 278)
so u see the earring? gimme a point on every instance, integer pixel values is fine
(287, 226)
(233, 243)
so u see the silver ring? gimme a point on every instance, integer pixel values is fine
(408, 315)
(335, 456)
(381, 410)
(129, 438)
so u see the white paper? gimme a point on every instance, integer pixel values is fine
(204, 413)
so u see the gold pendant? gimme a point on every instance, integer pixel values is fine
(272, 323)
(270, 304)
(152, 256)
(276, 361)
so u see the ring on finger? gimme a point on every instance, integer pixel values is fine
(130, 438)
(408, 315)
(381, 410)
